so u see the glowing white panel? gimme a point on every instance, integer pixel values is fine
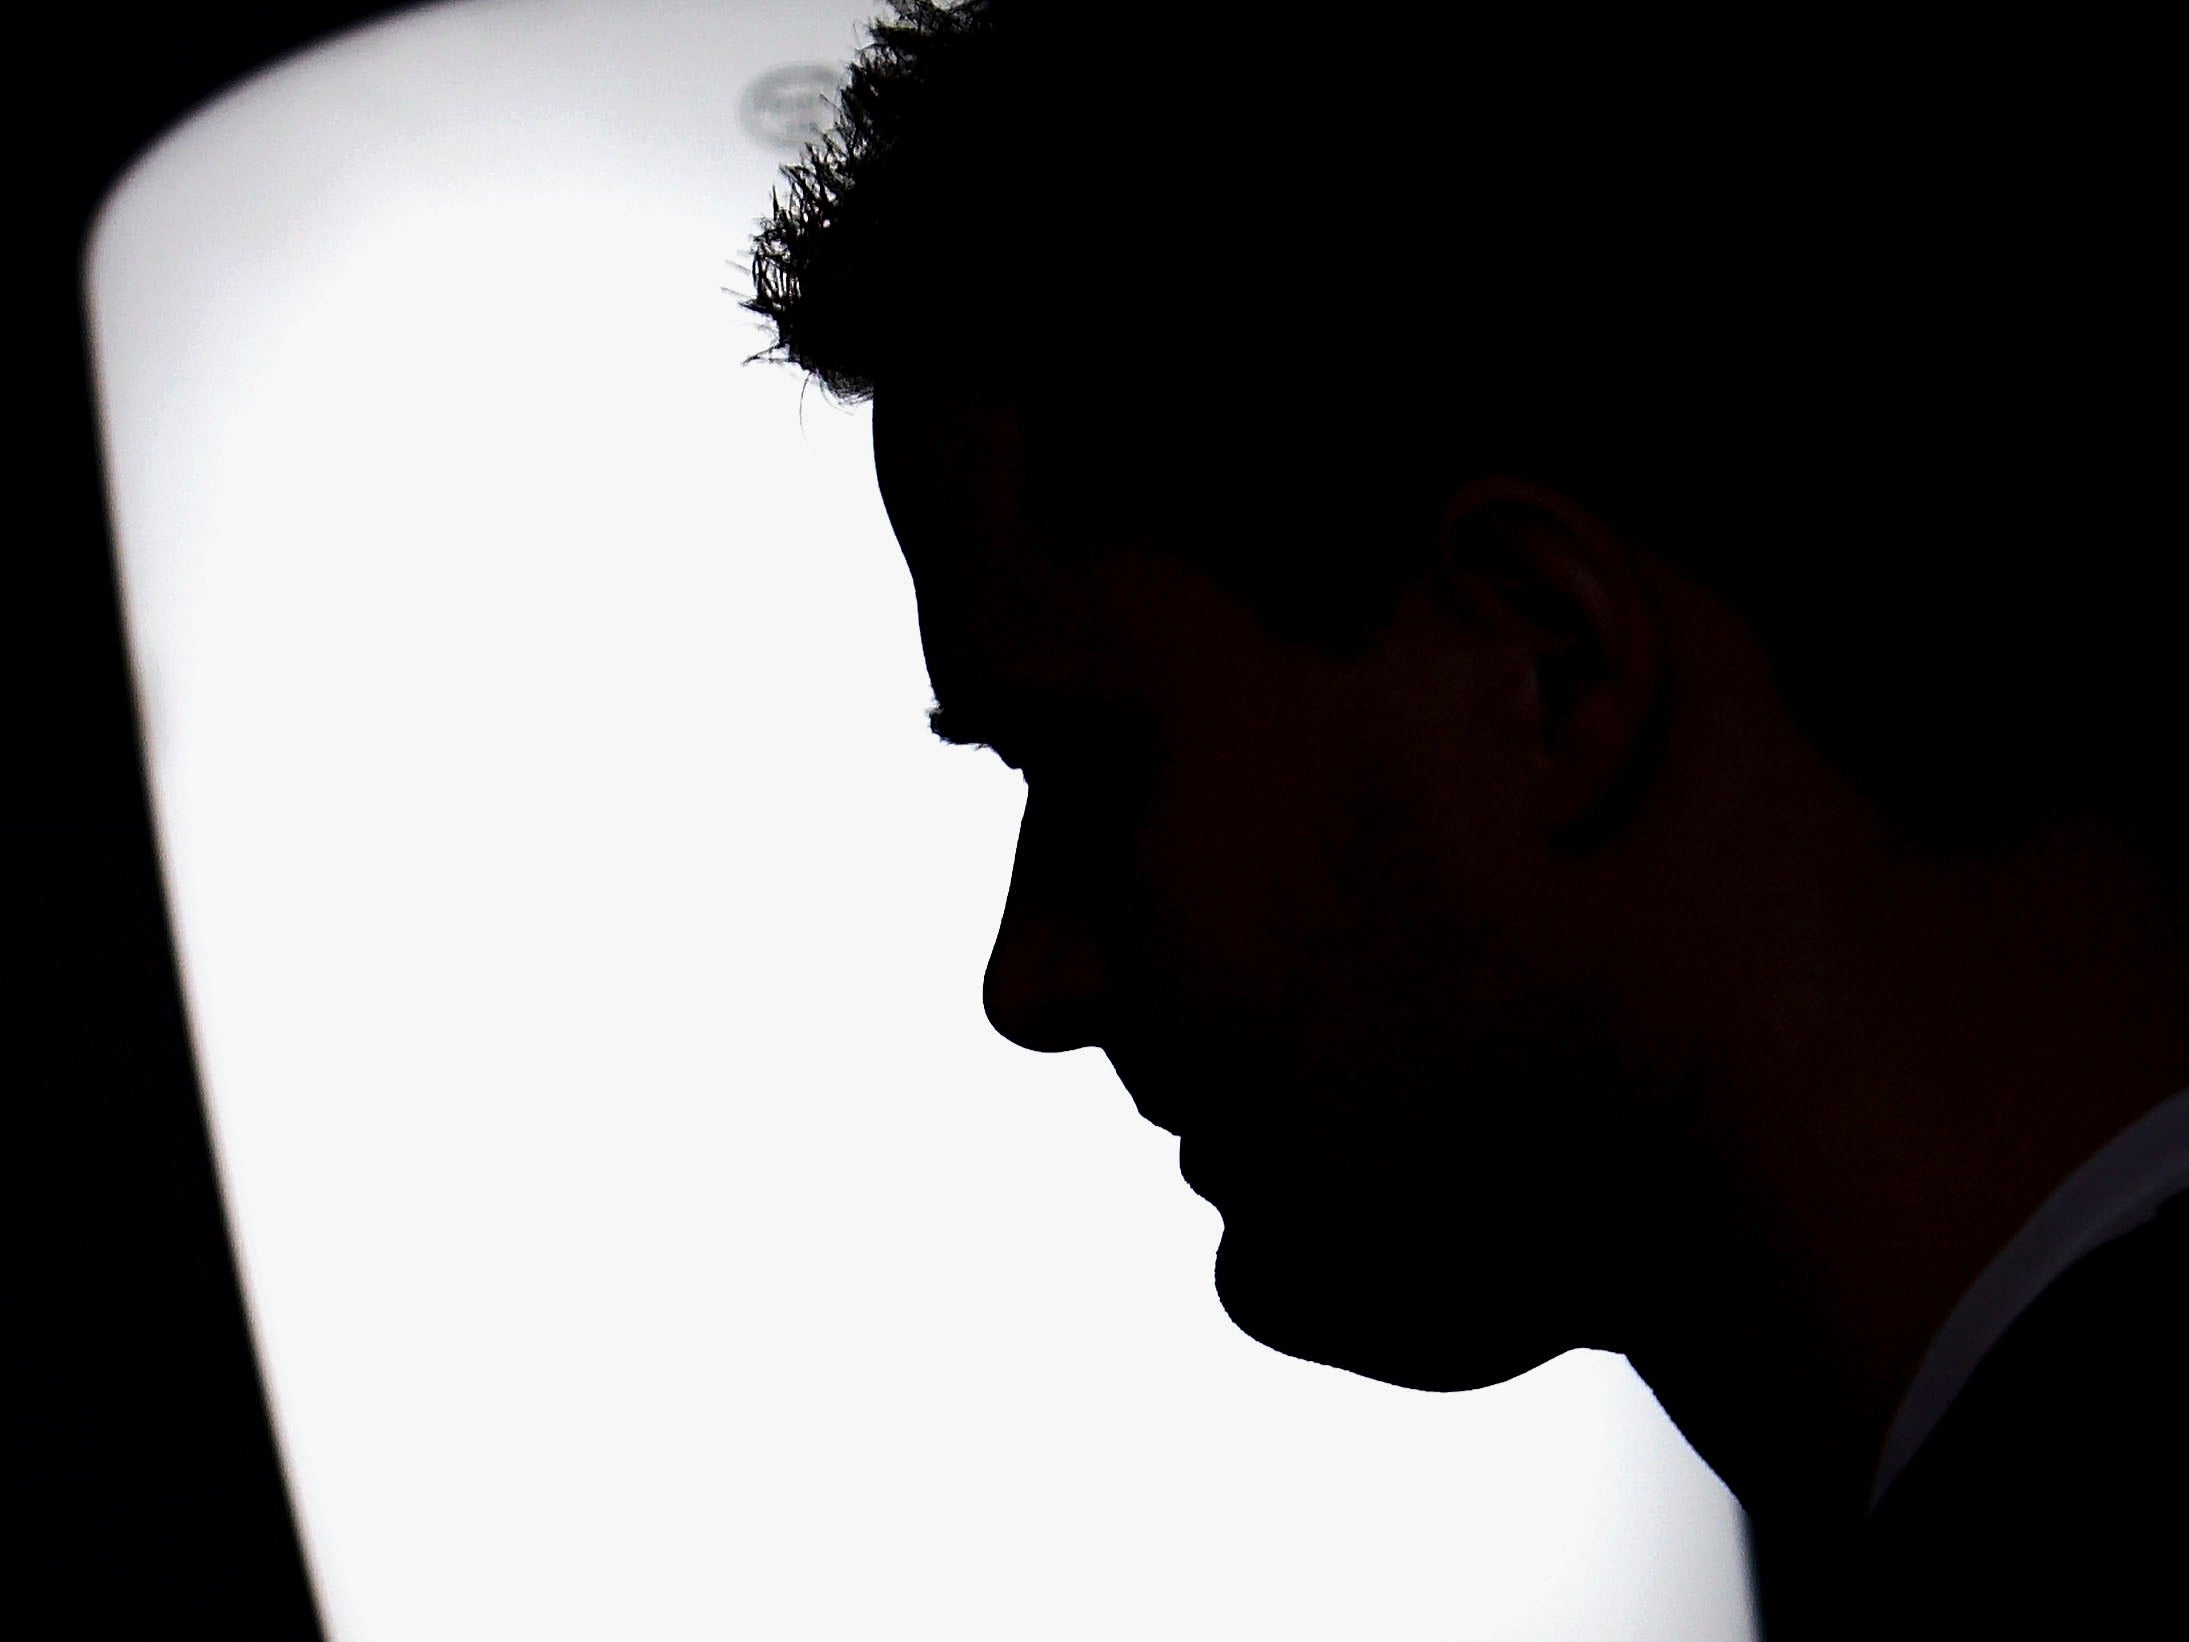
(645, 1236)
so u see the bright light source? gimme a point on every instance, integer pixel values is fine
(583, 940)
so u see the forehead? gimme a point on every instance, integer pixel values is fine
(1011, 617)
(1001, 604)
(952, 465)
(1019, 635)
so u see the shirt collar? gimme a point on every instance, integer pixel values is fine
(2115, 1191)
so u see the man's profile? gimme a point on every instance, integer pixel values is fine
(1585, 612)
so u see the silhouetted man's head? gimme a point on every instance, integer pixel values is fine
(1327, 918)
(1589, 674)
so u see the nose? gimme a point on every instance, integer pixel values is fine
(1047, 978)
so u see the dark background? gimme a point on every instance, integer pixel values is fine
(139, 1449)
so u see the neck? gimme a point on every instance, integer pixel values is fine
(1944, 1050)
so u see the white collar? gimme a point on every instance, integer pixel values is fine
(2115, 1191)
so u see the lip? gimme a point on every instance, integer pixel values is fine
(1204, 1169)
(1159, 1106)
(1165, 1115)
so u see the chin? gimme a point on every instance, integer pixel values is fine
(1387, 1314)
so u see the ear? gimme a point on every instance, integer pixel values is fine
(1541, 581)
